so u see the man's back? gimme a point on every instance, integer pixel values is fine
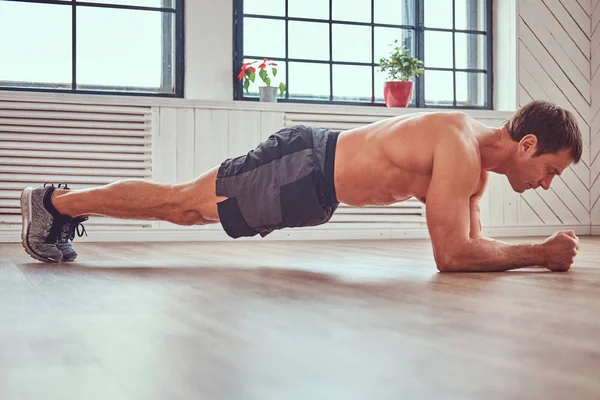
(392, 160)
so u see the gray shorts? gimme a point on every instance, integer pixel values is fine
(286, 181)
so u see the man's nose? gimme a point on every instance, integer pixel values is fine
(545, 183)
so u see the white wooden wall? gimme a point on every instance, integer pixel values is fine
(554, 64)
(595, 115)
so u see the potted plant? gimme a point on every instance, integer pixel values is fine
(266, 70)
(400, 67)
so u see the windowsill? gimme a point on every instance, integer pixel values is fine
(108, 100)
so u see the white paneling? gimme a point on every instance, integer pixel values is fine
(576, 186)
(186, 156)
(586, 6)
(558, 43)
(496, 200)
(541, 62)
(244, 132)
(75, 144)
(577, 207)
(541, 86)
(166, 157)
(510, 202)
(527, 214)
(559, 208)
(211, 133)
(580, 37)
(270, 122)
(578, 14)
(595, 130)
(557, 51)
(540, 207)
(204, 142)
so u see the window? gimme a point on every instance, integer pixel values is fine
(329, 50)
(96, 46)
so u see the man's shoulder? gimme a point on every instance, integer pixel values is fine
(455, 116)
(456, 128)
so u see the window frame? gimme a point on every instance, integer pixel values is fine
(178, 63)
(418, 30)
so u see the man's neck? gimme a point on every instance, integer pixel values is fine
(495, 148)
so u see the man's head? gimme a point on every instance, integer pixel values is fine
(548, 140)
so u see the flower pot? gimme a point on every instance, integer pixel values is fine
(397, 94)
(268, 93)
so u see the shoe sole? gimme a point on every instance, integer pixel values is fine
(26, 217)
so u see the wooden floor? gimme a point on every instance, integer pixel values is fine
(293, 320)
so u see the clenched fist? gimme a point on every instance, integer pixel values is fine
(560, 250)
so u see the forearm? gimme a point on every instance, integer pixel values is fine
(487, 255)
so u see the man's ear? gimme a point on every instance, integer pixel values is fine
(528, 144)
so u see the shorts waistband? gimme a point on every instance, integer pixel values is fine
(329, 172)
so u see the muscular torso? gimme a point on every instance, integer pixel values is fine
(392, 160)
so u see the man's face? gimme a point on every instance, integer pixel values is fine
(525, 171)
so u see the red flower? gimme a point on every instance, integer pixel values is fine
(244, 67)
(262, 66)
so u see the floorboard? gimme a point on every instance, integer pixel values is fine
(293, 320)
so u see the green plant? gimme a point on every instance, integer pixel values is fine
(400, 66)
(248, 74)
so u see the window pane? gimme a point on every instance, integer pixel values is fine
(438, 49)
(470, 14)
(140, 3)
(308, 9)
(127, 54)
(351, 43)
(384, 41)
(309, 80)
(308, 40)
(439, 88)
(357, 11)
(438, 14)
(471, 89)
(380, 78)
(470, 51)
(253, 89)
(264, 37)
(36, 44)
(265, 7)
(395, 12)
(352, 82)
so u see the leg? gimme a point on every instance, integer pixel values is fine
(51, 216)
(191, 203)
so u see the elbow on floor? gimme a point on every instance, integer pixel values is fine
(448, 264)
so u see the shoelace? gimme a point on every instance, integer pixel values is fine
(76, 227)
(64, 185)
(55, 229)
(72, 226)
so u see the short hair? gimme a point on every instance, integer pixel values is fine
(554, 127)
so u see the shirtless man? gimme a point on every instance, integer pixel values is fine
(299, 175)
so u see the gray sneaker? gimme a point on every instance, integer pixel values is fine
(41, 228)
(70, 227)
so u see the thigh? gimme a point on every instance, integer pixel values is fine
(200, 195)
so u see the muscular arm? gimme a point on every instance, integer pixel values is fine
(475, 217)
(449, 215)
(475, 209)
